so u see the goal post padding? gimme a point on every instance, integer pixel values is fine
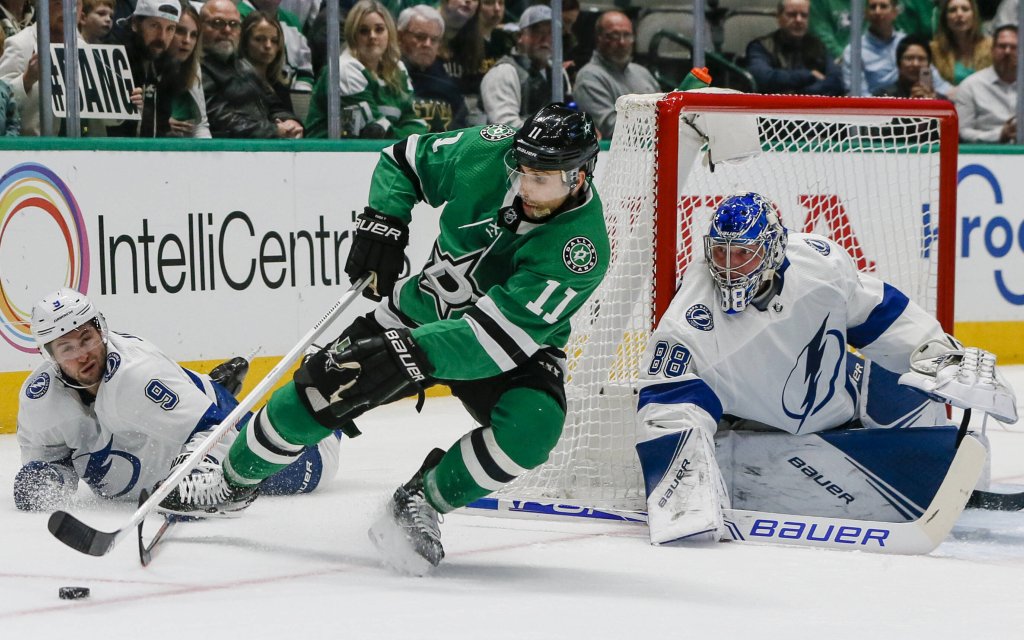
(877, 175)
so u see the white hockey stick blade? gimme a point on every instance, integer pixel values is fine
(907, 538)
(81, 537)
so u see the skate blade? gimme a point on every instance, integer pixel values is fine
(396, 549)
(212, 512)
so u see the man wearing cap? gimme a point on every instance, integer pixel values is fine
(520, 84)
(153, 69)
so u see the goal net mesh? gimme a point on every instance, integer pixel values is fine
(870, 182)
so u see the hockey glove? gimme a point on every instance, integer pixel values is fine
(963, 377)
(339, 383)
(378, 247)
(44, 486)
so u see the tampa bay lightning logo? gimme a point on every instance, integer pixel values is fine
(699, 317)
(110, 472)
(38, 387)
(819, 246)
(113, 363)
(812, 381)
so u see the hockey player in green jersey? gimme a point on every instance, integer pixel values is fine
(522, 245)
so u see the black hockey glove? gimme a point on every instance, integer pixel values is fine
(339, 383)
(378, 246)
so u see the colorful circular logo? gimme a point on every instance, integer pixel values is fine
(30, 189)
(579, 254)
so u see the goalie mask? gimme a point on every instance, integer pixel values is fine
(548, 155)
(60, 313)
(743, 248)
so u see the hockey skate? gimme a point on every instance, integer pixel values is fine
(205, 492)
(231, 374)
(407, 535)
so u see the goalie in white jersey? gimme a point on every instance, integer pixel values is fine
(758, 333)
(115, 411)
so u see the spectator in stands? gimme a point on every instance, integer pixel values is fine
(376, 95)
(830, 21)
(917, 78)
(611, 72)
(238, 103)
(298, 59)
(188, 108)
(456, 13)
(570, 43)
(97, 19)
(986, 101)
(960, 48)
(263, 47)
(15, 15)
(878, 49)
(19, 67)
(1006, 13)
(477, 47)
(792, 60)
(10, 114)
(147, 43)
(436, 96)
(520, 83)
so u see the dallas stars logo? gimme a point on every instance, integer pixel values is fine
(449, 280)
(495, 132)
(579, 255)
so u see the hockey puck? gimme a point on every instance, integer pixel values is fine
(73, 593)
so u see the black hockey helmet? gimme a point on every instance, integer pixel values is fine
(557, 138)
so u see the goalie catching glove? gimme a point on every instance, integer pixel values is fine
(378, 247)
(963, 377)
(339, 383)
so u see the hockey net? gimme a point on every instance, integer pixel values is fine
(875, 175)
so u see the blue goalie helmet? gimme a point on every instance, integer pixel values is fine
(743, 248)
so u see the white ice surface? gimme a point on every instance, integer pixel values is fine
(302, 567)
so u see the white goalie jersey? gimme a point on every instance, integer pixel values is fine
(124, 441)
(786, 365)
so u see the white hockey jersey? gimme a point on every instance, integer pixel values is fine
(125, 440)
(784, 366)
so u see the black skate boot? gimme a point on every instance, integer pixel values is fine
(231, 374)
(407, 535)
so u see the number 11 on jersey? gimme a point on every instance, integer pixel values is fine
(537, 306)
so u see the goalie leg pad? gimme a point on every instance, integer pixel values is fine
(686, 492)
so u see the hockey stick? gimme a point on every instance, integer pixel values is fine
(910, 538)
(81, 537)
(996, 501)
(146, 550)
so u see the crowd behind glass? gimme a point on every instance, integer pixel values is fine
(259, 68)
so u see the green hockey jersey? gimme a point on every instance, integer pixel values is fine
(496, 287)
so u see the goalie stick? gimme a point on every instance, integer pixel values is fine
(908, 538)
(85, 539)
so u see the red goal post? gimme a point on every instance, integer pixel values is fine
(672, 106)
(878, 175)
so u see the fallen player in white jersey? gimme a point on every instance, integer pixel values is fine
(115, 411)
(757, 336)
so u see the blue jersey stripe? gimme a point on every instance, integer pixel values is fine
(892, 306)
(693, 391)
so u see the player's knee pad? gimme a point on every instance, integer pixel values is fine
(316, 465)
(528, 424)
